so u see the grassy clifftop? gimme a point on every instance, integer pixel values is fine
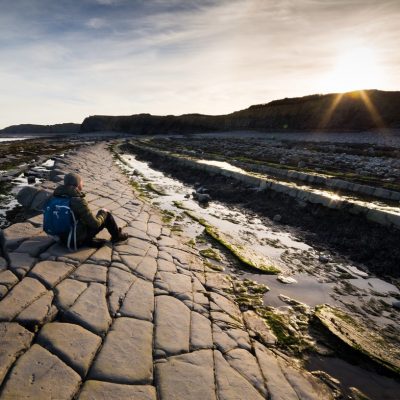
(353, 111)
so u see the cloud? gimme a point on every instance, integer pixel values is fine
(96, 23)
(107, 2)
(65, 60)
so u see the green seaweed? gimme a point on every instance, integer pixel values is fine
(285, 337)
(167, 216)
(210, 253)
(235, 250)
(152, 188)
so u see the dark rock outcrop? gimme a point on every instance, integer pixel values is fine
(31, 128)
(353, 111)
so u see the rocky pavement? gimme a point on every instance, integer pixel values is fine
(142, 319)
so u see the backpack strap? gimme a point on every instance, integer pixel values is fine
(72, 232)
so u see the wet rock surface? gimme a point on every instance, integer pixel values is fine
(358, 237)
(157, 324)
(281, 315)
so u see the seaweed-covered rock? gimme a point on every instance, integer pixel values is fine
(354, 333)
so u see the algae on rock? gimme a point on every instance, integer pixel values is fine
(246, 257)
(353, 332)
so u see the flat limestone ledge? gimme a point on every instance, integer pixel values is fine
(93, 390)
(40, 375)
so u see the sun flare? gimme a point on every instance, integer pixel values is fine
(355, 69)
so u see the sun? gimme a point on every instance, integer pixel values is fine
(356, 69)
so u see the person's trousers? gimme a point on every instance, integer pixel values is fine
(109, 224)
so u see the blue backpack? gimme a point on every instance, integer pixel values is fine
(58, 218)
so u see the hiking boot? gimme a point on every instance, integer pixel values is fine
(121, 237)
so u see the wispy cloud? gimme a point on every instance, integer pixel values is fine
(62, 61)
(96, 23)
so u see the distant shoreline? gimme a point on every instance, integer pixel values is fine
(379, 137)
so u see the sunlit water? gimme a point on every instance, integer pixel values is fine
(11, 139)
(330, 195)
(271, 242)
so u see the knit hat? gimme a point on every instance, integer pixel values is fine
(72, 179)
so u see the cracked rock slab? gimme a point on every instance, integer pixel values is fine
(35, 246)
(90, 310)
(38, 311)
(139, 301)
(50, 273)
(126, 356)
(14, 339)
(188, 376)
(176, 283)
(96, 390)
(91, 273)
(277, 384)
(102, 256)
(147, 268)
(71, 343)
(119, 282)
(172, 321)
(200, 332)
(257, 326)
(22, 295)
(17, 233)
(221, 303)
(166, 266)
(68, 291)
(8, 279)
(305, 385)
(222, 340)
(231, 385)
(246, 364)
(40, 375)
(21, 263)
(62, 252)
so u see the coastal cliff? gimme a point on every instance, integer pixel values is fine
(32, 128)
(353, 111)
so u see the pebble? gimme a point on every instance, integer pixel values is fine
(277, 218)
(396, 304)
(285, 279)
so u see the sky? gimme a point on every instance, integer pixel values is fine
(63, 60)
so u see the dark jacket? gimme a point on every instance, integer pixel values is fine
(88, 224)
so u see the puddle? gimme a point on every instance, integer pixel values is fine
(375, 386)
(223, 165)
(376, 285)
(307, 290)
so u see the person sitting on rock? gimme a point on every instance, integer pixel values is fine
(88, 225)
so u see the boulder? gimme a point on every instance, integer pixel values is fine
(55, 172)
(40, 199)
(26, 195)
(201, 198)
(277, 218)
(4, 258)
